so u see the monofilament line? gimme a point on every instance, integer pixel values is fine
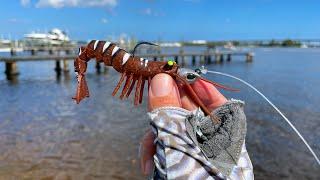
(283, 116)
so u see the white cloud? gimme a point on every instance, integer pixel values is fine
(24, 2)
(104, 20)
(150, 12)
(147, 11)
(13, 20)
(75, 3)
(17, 21)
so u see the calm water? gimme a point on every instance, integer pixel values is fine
(44, 134)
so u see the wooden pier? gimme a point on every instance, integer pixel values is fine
(207, 57)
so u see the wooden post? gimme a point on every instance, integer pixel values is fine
(218, 58)
(33, 52)
(58, 68)
(193, 60)
(13, 52)
(176, 59)
(98, 67)
(222, 59)
(208, 59)
(228, 57)
(202, 60)
(65, 63)
(159, 52)
(182, 57)
(183, 62)
(249, 57)
(11, 70)
(65, 66)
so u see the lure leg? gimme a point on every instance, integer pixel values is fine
(131, 87)
(141, 91)
(119, 84)
(219, 85)
(86, 89)
(137, 94)
(197, 100)
(126, 86)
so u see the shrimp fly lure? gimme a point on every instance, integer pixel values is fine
(134, 72)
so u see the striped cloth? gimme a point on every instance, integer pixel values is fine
(185, 141)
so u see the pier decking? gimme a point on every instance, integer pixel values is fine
(53, 54)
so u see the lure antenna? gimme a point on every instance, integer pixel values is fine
(275, 107)
(140, 43)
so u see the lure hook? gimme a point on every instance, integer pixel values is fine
(141, 43)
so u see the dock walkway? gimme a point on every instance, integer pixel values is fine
(208, 57)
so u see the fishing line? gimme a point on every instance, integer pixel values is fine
(275, 107)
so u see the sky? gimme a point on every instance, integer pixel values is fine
(167, 20)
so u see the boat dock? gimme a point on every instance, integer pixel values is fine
(66, 54)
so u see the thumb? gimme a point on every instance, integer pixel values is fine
(163, 92)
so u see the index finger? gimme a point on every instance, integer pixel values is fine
(206, 92)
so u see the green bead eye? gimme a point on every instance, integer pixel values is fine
(170, 63)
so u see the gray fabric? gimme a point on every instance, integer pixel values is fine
(221, 143)
(177, 156)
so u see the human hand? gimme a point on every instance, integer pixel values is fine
(164, 91)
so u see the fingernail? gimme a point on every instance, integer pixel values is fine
(148, 167)
(162, 85)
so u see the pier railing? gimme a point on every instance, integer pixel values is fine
(207, 57)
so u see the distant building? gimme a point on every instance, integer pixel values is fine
(199, 42)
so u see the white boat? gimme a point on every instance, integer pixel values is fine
(303, 46)
(168, 44)
(54, 37)
(5, 41)
(230, 46)
(7, 45)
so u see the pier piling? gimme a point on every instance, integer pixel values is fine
(13, 52)
(218, 58)
(58, 68)
(193, 60)
(176, 59)
(65, 62)
(181, 53)
(65, 66)
(11, 70)
(208, 59)
(249, 57)
(98, 67)
(228, 57)
(202, 60)
(33, 52)
(221, 58)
